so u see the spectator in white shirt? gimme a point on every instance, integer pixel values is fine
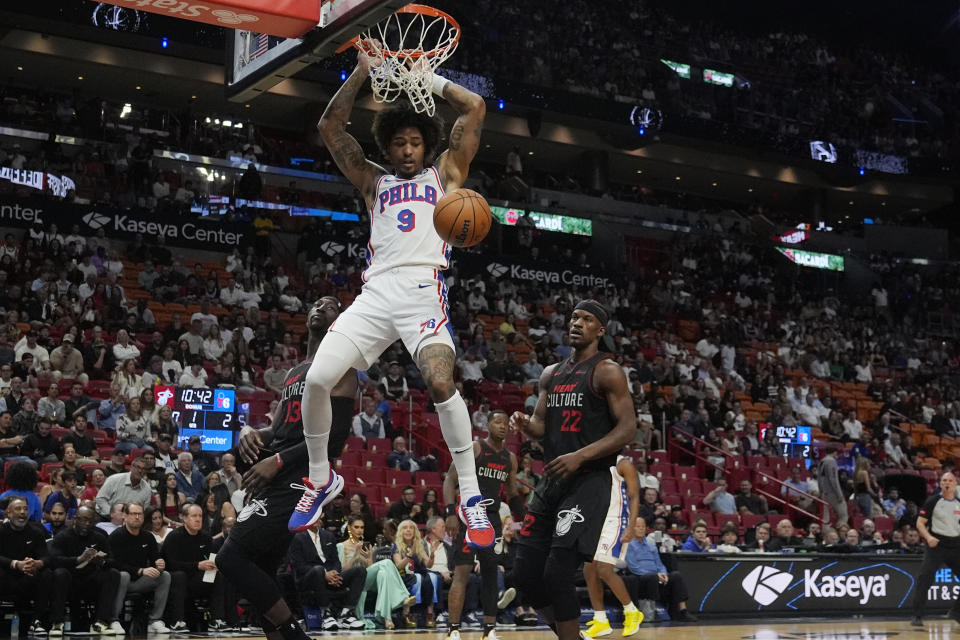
(894, 453)
(481, 415)
(171, 368)
(195, 376)
(864, 371)
(808, 412)
(206, 318)
(28, 344)
(233, 294)
(820, 367)
(161, 188)
(124, 349)
(852, 427)
(185, 193)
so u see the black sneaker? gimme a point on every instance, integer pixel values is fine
(684, 616)
(916, 622)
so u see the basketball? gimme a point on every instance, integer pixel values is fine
(462, 218)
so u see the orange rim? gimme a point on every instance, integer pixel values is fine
(413, 54)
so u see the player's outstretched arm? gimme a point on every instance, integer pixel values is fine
(346, 151)
(454, 164)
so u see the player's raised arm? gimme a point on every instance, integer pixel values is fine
(454, 164)
(346, 151)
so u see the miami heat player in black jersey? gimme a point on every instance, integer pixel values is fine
(496, 473)
(258, 541)
(584, 416)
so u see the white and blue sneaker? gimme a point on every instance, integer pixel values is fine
(310, 507)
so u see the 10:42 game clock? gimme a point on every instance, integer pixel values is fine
(212, 414)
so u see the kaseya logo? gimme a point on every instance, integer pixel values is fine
(496, 269)
(765, 584)
(96, 220)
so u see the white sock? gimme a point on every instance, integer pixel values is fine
(629, 608)
(334, 357)
(317, 447)
(599, 616)
(458, 434)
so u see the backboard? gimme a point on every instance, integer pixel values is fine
(255, 62)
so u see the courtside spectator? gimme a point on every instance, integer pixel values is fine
(137, 556)
(648, 578)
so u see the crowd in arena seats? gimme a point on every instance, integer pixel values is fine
(716, 340)
(798, 86)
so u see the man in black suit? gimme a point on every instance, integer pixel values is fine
(319, 577)
(25, 573)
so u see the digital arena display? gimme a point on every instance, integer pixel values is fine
(212, 414)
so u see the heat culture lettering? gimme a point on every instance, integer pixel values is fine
(563, 395)
(493, 470)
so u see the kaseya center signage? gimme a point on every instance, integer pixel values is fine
(178, 231)
(797, 583)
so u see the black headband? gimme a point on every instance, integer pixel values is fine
(595, 308)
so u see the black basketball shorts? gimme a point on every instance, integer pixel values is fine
(568, 515)
(261, 527)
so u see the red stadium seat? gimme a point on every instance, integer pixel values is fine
(354, 444)
(379, 445)
(397, 477)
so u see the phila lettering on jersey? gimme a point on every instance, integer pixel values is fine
(401, 225)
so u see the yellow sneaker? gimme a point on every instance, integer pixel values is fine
(597, 629)
(631, 622)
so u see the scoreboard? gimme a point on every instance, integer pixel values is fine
(212, 414)
(795, 442)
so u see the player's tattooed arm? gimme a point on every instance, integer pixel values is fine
(454, 164)
(346, 151)
(437, 362)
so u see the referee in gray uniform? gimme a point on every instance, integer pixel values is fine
(938, 524)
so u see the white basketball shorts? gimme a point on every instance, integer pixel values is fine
(406, 303)
(609, 547)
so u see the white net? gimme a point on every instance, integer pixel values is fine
(406, 49)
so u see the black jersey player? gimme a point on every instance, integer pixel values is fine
(496, 474)
(259, 539)
(584, 416)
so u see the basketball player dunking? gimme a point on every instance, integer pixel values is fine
(403, 293)
(584, 416)
(258, 541)
(497, 475)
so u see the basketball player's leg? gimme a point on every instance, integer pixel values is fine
(437, 362)
(595, 590)
(354, 341)
(254, 578)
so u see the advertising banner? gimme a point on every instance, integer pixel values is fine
(799, 583)
(125, 224)
(814, 259)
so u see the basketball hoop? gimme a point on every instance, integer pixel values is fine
(406, 49)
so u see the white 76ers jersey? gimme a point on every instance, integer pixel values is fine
(401, 225)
